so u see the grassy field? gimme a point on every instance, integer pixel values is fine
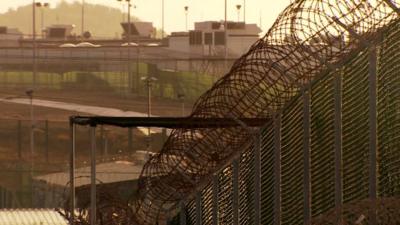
(168, 85)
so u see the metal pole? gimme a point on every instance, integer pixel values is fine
(19, 140)
(373, 130)
(129, 139)
(93, 177)
(226, 31)
(215, 200)
(83, 18)
(137, 68)
(182, 215)
(149, 110)
(338, 146)
(186, 21)
(148, 97)
(277, 169)
(72, 174)
(34, 44)
(198, 209)
(306, 154)
(183, 107)
(162, 29)
(129, 25)
(129, 47)
(244, 11)
(46, 131)
(42, 20)
(257, 178)
(235, 184)
(32, 138)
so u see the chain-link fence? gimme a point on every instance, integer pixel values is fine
(319, 154)
(34, 173)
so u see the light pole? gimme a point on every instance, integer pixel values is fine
(226, 31)
(29, 93)
(149, 82)
(42, 6)
(128, 36)
(238, 7)
(181, 97)
(244, 11)
(33, 44)
(186, 15)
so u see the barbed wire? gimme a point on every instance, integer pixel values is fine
(110, 209)
(308, 38)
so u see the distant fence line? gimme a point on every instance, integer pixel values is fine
(188, 77)
(51, 153)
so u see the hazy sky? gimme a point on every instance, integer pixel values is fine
(150, 10)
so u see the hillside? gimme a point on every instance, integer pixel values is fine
(100, 20)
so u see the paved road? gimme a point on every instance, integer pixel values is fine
(93, 110)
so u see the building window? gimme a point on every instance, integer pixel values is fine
(208, 38)
(195, 38)
(219, 38)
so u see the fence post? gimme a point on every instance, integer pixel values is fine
(46, 139)
(338, 146)
(373, 130)
(198, 208)
(277, 169)
(93, 176)
(257, 176)
(215, 200)
(306, 154)
(19, 139)
(72, 173)
(129, 139)
(235, 183)
(182, 215)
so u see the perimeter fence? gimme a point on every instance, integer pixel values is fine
(334, 145)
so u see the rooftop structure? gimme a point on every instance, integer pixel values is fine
(9, 36)
(31, 217)
(59, 31)
(208, 38)
(138, 30)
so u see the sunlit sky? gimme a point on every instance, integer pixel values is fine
(264, 11)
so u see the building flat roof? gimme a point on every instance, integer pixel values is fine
(31, 217)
